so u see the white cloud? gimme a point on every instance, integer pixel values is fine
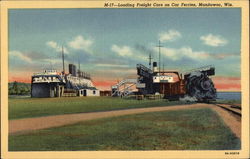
(122, 51)
(81, 43)
(177, 54)
(187, 52)
(128, 52)
(56, 46)
(170, 35)
(20, 55)
(196, 55)
(213, 40)
(53, 61)
(52, 44)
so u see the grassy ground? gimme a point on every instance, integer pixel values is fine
(196, 129)
(35, 107)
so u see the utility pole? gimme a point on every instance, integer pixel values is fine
(159, 55)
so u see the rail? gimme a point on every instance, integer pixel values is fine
(231, 108)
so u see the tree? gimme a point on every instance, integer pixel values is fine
(15, 87)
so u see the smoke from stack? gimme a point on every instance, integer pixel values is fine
(187, 98)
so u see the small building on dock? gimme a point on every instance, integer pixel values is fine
(92, 91)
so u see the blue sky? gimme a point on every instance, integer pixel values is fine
(110, 42)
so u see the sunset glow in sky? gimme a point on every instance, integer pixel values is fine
(110, 42)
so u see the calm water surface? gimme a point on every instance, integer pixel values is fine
(229, 95)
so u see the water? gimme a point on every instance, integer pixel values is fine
(229, 95)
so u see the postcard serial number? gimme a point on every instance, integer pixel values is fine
(232, 153)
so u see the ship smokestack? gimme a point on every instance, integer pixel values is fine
(155, 68)
(72, 69)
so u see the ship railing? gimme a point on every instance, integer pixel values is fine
(118, 90)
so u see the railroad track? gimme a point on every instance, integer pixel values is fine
(235, 109)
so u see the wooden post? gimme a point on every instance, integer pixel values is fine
(57, 90)
(62, 91)
(31, 94)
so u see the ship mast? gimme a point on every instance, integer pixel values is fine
(63, 61)
(150, 58)
(159, 55)
(79, 67)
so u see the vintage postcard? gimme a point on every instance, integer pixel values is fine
(124, 79)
